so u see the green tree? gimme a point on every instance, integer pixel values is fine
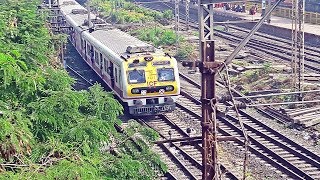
(48, 130)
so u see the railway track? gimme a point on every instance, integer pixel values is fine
(312, 60)
(183, 159)
(81, 82)
(279, 48)
(290, 158)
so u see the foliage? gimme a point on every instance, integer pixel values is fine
(140, 161)
(184, 51)
(122, 11)
(266, 67)
(251, 75)
(167, 14)
(47, 130)
(157, 35)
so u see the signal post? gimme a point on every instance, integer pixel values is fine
(208, 67)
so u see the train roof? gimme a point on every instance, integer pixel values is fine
(115, 39)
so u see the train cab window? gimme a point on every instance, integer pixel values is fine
(165, 74)
(136, 76)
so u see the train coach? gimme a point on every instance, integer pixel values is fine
(144, 78)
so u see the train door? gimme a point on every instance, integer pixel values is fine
(111, 74)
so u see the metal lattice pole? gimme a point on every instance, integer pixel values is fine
(209, 129)
(301, 12)
(176, 15)
(209, 69)
(297, 62)
(187, 13)
(294, 42)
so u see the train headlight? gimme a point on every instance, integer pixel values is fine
(169, 88)
(148, 58)
(135, 91)
(143, 92)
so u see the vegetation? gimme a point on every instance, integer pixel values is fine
(185, 50)
(121, 11)
(49, 131)
(161, 36)
(158, 36)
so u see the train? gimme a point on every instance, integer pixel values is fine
(143, 77)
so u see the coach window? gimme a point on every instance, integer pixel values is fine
(116, 74)
(105, 65)
(109, 67)
(84, 45)
(165, 74)
(136, 76)
(96, 57)
(101, 61)
(88, 49)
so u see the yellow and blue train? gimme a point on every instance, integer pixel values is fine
(145, 78)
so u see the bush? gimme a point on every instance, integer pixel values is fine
(157, 36)
(48, 130)
(167, 14)
(127, 12)
(184, 51)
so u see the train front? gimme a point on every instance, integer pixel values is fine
(153, 84)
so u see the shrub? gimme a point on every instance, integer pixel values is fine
(157, 36)
(184, 51)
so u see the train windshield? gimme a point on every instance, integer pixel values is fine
(165, 74)
(136, 76)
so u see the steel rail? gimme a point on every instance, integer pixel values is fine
(310, 157)
(185, 154)
(278, 165)
(241, 142)
(78, 74)
(282, 40)
(303, 149)
(270, 51)
(254, 45)
(185, 169)
(270, 45)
